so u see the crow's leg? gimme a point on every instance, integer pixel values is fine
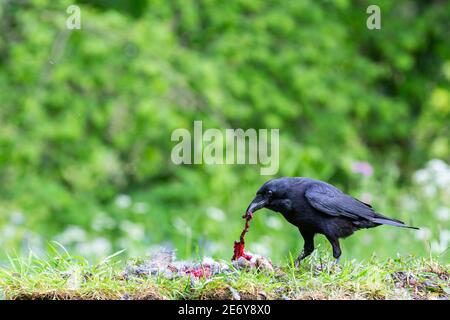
(308, 247)
(336, 248)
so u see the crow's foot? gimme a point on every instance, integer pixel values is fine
(298, 261)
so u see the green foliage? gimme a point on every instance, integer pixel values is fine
(86, 115)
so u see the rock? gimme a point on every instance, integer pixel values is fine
(126, 296)
(262, 263)
(234, 293)
(243, 263)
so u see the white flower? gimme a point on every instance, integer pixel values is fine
(71, 234)
(437, 247)
(181, 225)
(98, 247)
(133, 230)
(17, 217)
(436, 174)
(441, 245)
(430, 190)
(437, 165)
(34, 243)
(140, 208)
(215, 214)
(409, 203)
(423, 234)
(443, 213)
(9, 231)
(273, 222)
(445, 236)
(102, 222)
(123, 201)
(421, 176)
(443, 178)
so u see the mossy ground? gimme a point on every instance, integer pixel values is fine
(63, 276)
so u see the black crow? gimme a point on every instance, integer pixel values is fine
(315, 207)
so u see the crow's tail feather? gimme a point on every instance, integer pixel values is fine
(392, 222)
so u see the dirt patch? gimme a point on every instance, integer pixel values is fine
(256, 295)
(149, 293)
(217, 294)
(229, 293)
(63, 295)
(47, 295)
(439, 270)
(311, 296)
(423, 287)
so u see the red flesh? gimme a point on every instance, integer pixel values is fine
(200, 272)
(239, 246)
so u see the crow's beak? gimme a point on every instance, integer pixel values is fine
(257, 203)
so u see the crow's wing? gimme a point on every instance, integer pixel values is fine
(332, 201)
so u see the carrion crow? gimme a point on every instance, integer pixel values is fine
(316, 207)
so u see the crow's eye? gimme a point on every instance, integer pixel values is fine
(270, 193)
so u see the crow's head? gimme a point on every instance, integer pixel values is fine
(275, 194)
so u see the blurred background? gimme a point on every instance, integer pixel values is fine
(86, 118)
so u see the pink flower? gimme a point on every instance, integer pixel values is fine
(363, 168)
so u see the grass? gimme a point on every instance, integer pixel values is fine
(63, 276)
